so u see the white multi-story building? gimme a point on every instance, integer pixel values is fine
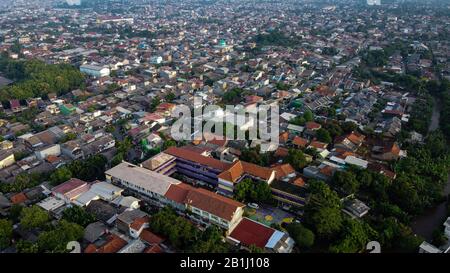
(95, 70)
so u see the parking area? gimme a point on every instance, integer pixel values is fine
(268, 215)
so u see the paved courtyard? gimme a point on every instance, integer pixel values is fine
(269, 215)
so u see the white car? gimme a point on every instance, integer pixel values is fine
(253, 205)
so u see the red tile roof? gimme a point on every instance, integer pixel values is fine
(165, 106)
(139, 222)
(151, 237)
(311, 125)
(18, 198)
(213, 203)
(206, 200)
(281, 152)
(178, 192)
(14, 103)
(249, 233)
(299, 141)
(283, 170)
(69, 186)
(113, 245)
(318, 145)
(284, 137)
(197, 158)
(154, 249)
(256, 170)
(233, 173)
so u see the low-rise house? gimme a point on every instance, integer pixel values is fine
(6, 159)
(132, 222)
(94, 231)
(51, 150)
(355, 208)
(387, 152)
(104, 211)
(350, 142)
(112, 244)
(72, 149)
(99, 190)
(70, 190)
(251, 233)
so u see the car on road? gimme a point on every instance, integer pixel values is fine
(253, 205)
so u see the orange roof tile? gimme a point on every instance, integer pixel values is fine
(257, 171)
(284, 137)
(327, 170)
(18, 198)
(283, 170)
(213, 203)
(281, 152)
(299, 141)
(299, 182)
(151, 237)
(195, 157)
(139, 222)
(178, 192)
(154, 249)
(318, 145)
(311, 125)
(233, 173)
(114, 244)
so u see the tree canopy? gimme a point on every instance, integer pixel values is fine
(323, 212)
(35, 78)
(253, 191)
(6, 231)
(34, 217)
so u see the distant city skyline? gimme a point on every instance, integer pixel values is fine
(73, 2)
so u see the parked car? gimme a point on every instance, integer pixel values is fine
(253, 205)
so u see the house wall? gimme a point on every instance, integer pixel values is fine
(52, 150)
(7, 161)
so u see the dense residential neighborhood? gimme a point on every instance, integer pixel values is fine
(90, 92)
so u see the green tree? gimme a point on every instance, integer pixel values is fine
(56, 240)
(14, 212)
(323, 135)
(211, 241)
(323, 212)
(180, 232)
(169, 143)
(346, 181)
(23, 246)
(308, 116)
(6, 231)
(117, 159)
(356, 235)
(34, 217)
(170, 97)
(302, 236)
(60, 175)
(255, 249)
(252, 191)
(297, 159)
(90, 169)
(156, 101)
(78, 215)
(348, 126)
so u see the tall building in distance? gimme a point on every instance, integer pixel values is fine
(73, 2)
(373, 2)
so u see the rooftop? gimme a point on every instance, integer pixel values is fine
(142, 177)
